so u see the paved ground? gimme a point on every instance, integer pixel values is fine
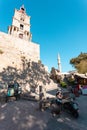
(25, 115)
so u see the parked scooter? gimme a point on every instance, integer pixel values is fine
(14, 90)
(71, 107)
(68, 105)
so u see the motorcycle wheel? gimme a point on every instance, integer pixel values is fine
(6, 100)
(75, 114)
(55, 109)
(17, 97)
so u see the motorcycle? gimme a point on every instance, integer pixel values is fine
(69, 106)
(72, 108)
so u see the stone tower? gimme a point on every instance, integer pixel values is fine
(59, 62)
(20, 25)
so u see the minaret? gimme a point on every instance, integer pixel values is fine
(59, 63)
(20, 24)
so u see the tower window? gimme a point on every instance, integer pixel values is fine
(21, 26)
(21, 36)
(14, 28)
(27, 33)
(22, 19)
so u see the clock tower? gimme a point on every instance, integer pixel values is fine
(20, 25)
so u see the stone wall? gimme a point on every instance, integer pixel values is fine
(14, 48)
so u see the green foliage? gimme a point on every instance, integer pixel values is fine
(39, 62)
(80, 63)
(63, 84)
(71, 81)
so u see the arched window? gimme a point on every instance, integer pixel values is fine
(14, 28)
(21, 35)
(21, 26)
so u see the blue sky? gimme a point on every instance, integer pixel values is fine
(59, 26)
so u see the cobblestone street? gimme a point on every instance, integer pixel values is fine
(25, 115)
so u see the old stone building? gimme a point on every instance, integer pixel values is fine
(20, 57)
(18, 42)
(20, 25)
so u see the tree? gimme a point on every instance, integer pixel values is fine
(80, 63)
